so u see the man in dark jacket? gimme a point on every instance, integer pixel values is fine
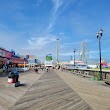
(16, 74)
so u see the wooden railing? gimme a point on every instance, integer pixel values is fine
(91, 72)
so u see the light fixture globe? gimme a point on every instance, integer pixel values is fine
(97, 34)
(101, 32)
(74, 50)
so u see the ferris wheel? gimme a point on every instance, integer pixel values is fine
(84, 52)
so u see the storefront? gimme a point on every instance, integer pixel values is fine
(10, 59)
(1, 64)
(21, 64)
(16, 61)
(5, 56)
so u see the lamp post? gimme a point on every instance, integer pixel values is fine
(99, 35)
(57, 50)
(74, 57)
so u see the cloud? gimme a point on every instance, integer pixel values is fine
(77, 42)
(61, 33)
(56, 5)
(49, 28)
(40, 42)
(40, 46)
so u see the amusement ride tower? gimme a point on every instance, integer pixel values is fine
(84, 52)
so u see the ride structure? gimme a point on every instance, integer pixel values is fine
(84, 52)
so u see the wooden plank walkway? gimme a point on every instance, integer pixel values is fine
(95, 93)
(9, 95)
(50, 92)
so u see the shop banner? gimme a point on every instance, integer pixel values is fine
(18, 61)
(6, 54)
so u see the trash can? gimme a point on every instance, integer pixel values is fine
(11, 78)
(16, 78)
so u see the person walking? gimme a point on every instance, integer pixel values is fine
(4, 68)
(36, 70)
(47, 69)
(16, 73)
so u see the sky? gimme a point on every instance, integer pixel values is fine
(31, 27)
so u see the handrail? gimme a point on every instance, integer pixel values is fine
(104, 72)
(108, 71)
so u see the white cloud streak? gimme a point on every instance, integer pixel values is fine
(40, 42)
(77, 42)
(56, 5)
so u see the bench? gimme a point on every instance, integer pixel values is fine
(74, 72)
(107, 80)
(79, 73)
(86, 74)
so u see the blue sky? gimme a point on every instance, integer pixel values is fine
(32, 27)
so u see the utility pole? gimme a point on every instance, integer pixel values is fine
(57, 50)
(74, 57)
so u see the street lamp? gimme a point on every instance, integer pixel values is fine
(74, 57)
(99, 35)
(57, 50)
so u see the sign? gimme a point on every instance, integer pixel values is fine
(17, 61)
(4, 61)
(6, 54)
(49, 57)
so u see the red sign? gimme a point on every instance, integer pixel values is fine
(18, 61)
(4, 61)
(5, 53)
(8, 55)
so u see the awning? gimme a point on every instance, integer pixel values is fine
(23, 64)
(18, 61)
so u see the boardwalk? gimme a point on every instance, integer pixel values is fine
(95, 93)
(9, 95)
(50, 92)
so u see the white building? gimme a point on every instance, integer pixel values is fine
(92, 65)
(32, 61)
(78, 65)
